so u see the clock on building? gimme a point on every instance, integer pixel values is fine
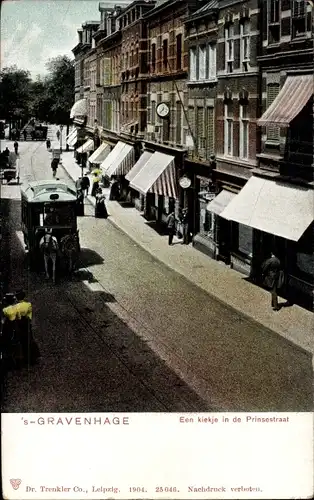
(162, 110)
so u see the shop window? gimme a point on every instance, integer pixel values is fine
(207, 220)
(245, 240)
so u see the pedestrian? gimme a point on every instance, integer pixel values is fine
(78, 184)
(54, 166)
(185, 227)
(79, 203)
(85, 184)
(114, 189)
(16, 147)
(100, 207)
(25, 134)
(171, 225)
(48, 143)
(58, 134)
(30, 350)
(6, 152)
(272, 276)
(96, 181)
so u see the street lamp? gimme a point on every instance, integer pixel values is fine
(61, 128)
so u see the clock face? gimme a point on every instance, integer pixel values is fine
(162, 110)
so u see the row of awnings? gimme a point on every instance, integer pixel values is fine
(269, 206)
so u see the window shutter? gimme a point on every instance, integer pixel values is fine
(179, 124)
(273, 132)
(209, 132)
(200, 132)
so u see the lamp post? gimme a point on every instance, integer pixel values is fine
(61, 129)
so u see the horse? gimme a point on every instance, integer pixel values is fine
(70, 249)
(50, 248)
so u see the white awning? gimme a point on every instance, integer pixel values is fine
(87, 146)
(119, 161)
(79, 108)
(138, 165)
(100, 154)
(72, 138)
(157, 176)
(220, 202)
(273, 207)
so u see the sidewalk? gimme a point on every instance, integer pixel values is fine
(293, 323)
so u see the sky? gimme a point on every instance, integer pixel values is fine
(34, 31)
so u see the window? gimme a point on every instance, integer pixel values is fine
(298, 18)
(273, 21)
(245, 240)
(153, 57)
(245, 43)
(209, 132)
(165, 54)
(193, 64)
(153, 112)
(244, 132)
(179, 123)
(228, 129)
(179, 52)
(272, 131)
(229, 33)
(202, 62)
(211, 66)
(200, 131)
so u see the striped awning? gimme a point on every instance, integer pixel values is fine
(157, 176)
(138, 165)
(292, 98)
(100, 154)
(79, 108)
(87, 146)
(72, 138)
(119, 161)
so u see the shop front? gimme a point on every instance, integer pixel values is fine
(115, 167)
(157, 182)
(276, 216)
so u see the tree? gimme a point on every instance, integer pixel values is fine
(15, 89)
(61, 88)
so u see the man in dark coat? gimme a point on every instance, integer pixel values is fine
(171, 225)
(85, 184)
(271, 273)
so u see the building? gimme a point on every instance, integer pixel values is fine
(278, 201)
(202, 36)
(82, 112)
(236, 132)
(166, 104)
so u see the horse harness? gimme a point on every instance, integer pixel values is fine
(50, 244)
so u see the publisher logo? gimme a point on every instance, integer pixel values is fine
(15, 483)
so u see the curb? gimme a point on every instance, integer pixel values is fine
(238, 311)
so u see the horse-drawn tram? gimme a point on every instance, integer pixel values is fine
(49, 223)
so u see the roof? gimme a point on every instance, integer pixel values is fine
(205, 9)
(41, 191)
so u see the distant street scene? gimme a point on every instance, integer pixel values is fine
(156, 210)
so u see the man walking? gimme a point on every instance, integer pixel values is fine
(271, 271)
(25, 134)
(171, 225)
